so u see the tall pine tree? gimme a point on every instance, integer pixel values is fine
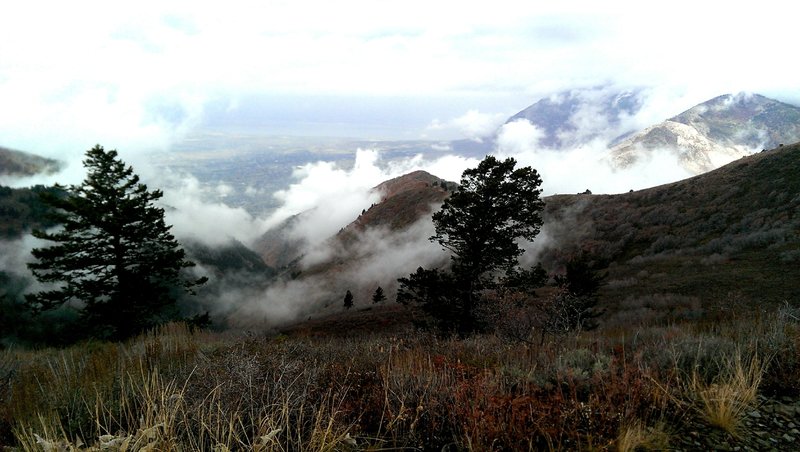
(113, 257)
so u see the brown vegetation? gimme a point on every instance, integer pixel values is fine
(174, 388)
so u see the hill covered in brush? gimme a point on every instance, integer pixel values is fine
(726, 239)
(19, 164)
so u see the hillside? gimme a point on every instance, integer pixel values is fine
(386, 241)
(403, 201)
(722, 240)
(695, 249)
(17, 163)
(21, 210)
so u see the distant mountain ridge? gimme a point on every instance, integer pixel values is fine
(701, 138)
(20, 164)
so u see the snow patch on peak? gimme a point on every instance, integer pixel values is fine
(695, 151)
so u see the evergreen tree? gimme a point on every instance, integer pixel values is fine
(495, 205)
(348, 300)
(577, 301)
(378, 296)
(113, 257)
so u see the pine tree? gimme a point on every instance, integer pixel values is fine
(481, 224)
(113, 257)
(348, 300)
(378, 296)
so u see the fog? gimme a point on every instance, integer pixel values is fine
(329, 196)
(332, 197)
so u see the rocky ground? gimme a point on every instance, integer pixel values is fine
(774, 425)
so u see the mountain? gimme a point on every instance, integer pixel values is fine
(572, 118)
(228, 258)
(697, 249)
(719, 130)
(702, 138)
(17, 163)
(403, 201)
(386, 241)
(278, 247)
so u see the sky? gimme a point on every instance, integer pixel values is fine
(142, 75)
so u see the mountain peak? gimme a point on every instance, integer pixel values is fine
(717, 131)
(562, 117)
(410, 181)
(404, 200)
(746, 119)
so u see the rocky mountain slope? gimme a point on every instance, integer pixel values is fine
(719, 130)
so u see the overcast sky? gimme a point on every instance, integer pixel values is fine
(138, 75)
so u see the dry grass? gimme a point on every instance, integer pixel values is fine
(725, 401)
(638, 437)
(174, 389)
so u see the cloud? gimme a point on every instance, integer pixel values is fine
(585, 167)
(17, 254)
(330, 196)
(139, 76)
(376, 257)
(14, 258)
(473, 124)
(196, 212)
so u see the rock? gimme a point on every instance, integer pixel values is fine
(788, 437)
(754, 414)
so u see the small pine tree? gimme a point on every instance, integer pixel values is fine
(348, 300)
(378, 296)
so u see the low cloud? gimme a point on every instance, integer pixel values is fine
(473, 124)
(330, 196)
(197, 212)
(585, 167)
(374, 258)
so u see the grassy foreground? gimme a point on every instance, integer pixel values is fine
(174, 389)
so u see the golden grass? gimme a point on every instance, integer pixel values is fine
(725, 401)
(174, 389)
(638, 436)
(159, 419)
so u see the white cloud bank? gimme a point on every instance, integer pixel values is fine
(138, 76)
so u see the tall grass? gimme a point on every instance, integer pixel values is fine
(174, 389)
(725, 401)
